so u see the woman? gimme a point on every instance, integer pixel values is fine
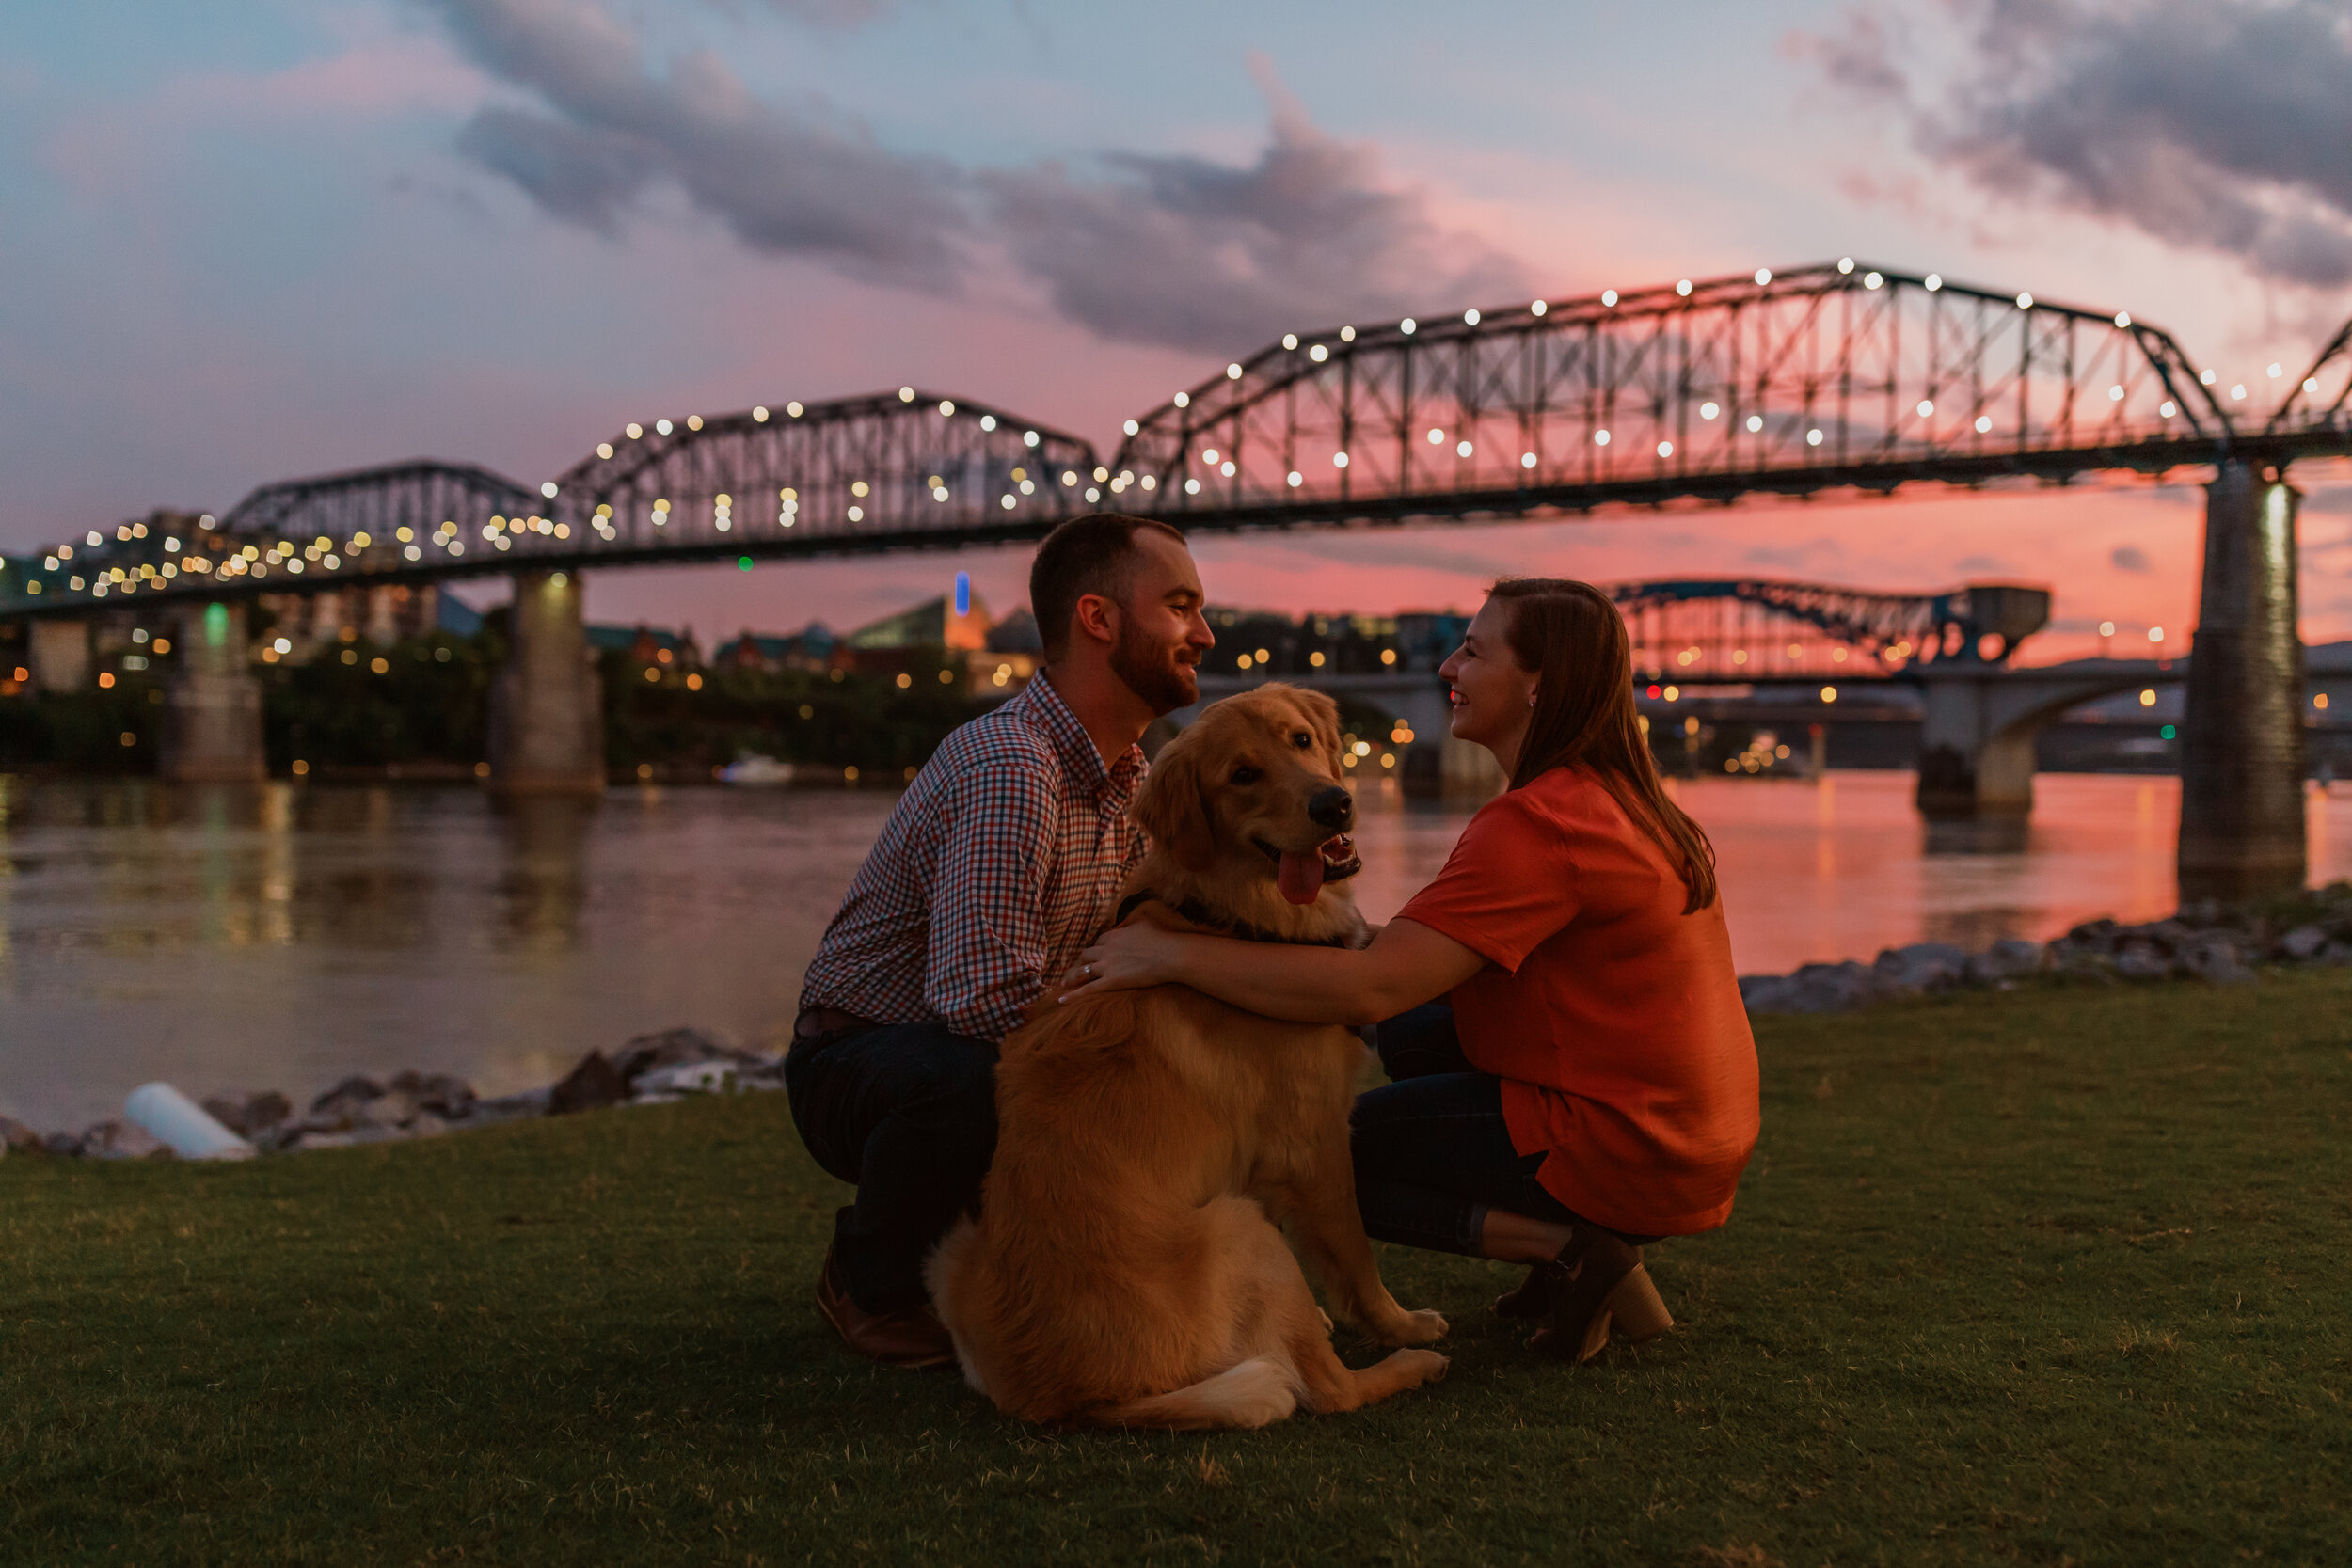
(1590, 1083)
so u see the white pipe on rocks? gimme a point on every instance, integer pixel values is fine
(175, 1120)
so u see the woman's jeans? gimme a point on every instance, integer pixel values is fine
(1432, 1151)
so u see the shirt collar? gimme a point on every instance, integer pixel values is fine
(1049, 713)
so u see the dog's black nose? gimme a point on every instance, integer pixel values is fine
(1333, 808)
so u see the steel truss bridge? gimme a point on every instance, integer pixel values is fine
(1828, 377)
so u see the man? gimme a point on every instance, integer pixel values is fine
(999, 864)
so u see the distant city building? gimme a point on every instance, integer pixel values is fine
(932, 624)
(645, 644)
(812, 648)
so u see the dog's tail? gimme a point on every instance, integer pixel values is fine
(1254, 1393)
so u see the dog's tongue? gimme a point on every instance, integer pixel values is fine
(1301, 876)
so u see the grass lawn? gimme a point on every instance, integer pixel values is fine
(2061, 1275)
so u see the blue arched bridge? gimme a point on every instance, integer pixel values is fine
(1831, 377)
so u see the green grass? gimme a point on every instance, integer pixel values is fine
(2053, 1276)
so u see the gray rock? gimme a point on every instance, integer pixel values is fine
(2215, 958)
(2303, 944)
(247, 1113)
(437, 1092)
(427, 1125)
(304, 1142)
(594, 1082)
(511, 1107)
(2094, 936)
(17, 1138)
(392, 1108)
(1766, 993)
(2011, 959)
(66, 1146)
(2142, 961)
(1833, 988)
(1922, 966)
(679, 1078)
(347, 1100)
(671, 1047)
(122, 1140)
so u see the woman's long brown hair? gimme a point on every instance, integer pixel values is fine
(1570, 635)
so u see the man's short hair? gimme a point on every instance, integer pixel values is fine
(1093, 554)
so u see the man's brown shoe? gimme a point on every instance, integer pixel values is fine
(912, 1338)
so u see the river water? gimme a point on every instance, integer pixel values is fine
(284, 937)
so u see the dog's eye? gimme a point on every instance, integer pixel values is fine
(1303, 740)
(1245, 775)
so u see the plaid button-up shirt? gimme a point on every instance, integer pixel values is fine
(999, 864)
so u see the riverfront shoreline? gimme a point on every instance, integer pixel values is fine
(2207, 942)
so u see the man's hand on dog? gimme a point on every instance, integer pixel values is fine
(1125, 957)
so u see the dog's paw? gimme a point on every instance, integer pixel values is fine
(1416, 1328)
(1426, 1365)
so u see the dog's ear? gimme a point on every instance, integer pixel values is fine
(1173, 807)
(1323, 716)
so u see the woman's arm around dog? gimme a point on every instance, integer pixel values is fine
(1406, 964)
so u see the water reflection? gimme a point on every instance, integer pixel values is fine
(280, 937)
(1989, 836)
(545, 885)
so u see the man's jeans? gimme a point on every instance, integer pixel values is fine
(1432, 1151)
(907, 1112)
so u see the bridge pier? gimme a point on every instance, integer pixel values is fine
(2242, 734)
(547, 705)
(211, 728)
(59, 654)
(1977, 725)
(1975, 759)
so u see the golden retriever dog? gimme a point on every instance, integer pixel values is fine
(1125, 1268)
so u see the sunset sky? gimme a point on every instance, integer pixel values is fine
(246, 241)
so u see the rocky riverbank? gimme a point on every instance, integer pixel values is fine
(650, 1069)
(2221, 944)
(2208, 942)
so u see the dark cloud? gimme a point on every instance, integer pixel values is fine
(2202, 123)
(2130, 558)
(1185, 252)
(784, 183)
(1204, 254)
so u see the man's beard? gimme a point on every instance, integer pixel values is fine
(1151, 672)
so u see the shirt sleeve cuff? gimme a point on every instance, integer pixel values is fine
(1446, 924)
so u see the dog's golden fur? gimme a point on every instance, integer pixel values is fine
(1125, 1268)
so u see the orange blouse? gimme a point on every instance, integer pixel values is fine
(1613, 1018)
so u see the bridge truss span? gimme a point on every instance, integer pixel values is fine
(857, 475)
(1765, 628)
(1827, 377)
(886, 471)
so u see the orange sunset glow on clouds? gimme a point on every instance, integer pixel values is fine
(254, 241)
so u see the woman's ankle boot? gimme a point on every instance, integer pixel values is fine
(1532, 1296)
(1597, 1281)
